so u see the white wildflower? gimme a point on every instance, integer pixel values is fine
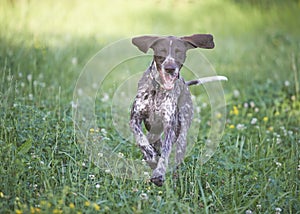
(9, 78)
(253, 121)
(278, 210)
(236, 93)
(29, 77)
(74, 104)
(278, 140)
(80, 92)
(252, 104)
(105, 97)
(95, 85)
(144, 196)
(286, 83)
(278, 164)
(240, 126)
(74, 60)
(30, 96)
(204, 105)
(120, 155)
(92, 177)
(103, 131)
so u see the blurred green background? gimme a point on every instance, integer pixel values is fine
(249, 35)
(44, 46)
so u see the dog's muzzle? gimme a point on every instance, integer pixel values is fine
(169, 73)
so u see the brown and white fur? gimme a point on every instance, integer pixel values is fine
(163, 101)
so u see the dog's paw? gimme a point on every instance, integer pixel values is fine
(158, 181)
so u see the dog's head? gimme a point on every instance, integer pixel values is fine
(170, 53)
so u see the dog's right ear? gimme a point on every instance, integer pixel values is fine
(144, 42)
(200, 40)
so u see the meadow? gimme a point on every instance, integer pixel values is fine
(45, 45)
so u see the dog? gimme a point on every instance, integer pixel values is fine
(163, 101)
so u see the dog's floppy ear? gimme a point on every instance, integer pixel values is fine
(144, 42)
(200, 40)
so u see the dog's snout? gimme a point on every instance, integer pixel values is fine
(170, 69)
(170, 66)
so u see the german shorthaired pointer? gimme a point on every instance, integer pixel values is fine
(163, 101)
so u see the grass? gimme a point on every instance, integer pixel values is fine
(44, 45)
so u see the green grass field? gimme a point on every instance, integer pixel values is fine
(44, 46)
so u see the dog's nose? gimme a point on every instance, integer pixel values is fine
(170, 70)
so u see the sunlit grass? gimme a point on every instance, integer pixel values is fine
(44, 46)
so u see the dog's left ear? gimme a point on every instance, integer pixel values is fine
(144, 42)
(200, 41)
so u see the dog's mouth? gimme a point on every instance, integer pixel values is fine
(169, 76)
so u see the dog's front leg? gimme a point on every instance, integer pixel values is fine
(142, 141)
(158, 176)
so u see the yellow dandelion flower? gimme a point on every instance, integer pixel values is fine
(160, 192)
(43, 203)
(277, 113)
(234, 111)
(72, 205)
(231, 126)
(92, 129)
(218, 115)
(87, 203)
(96, 206)
(57, 211)
(19, 211)
(34, 210)
(265, 119)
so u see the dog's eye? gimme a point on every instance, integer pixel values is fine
(179, 54)
(162, 52)
(160, 58)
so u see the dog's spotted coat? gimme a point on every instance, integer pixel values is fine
(163, 101)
